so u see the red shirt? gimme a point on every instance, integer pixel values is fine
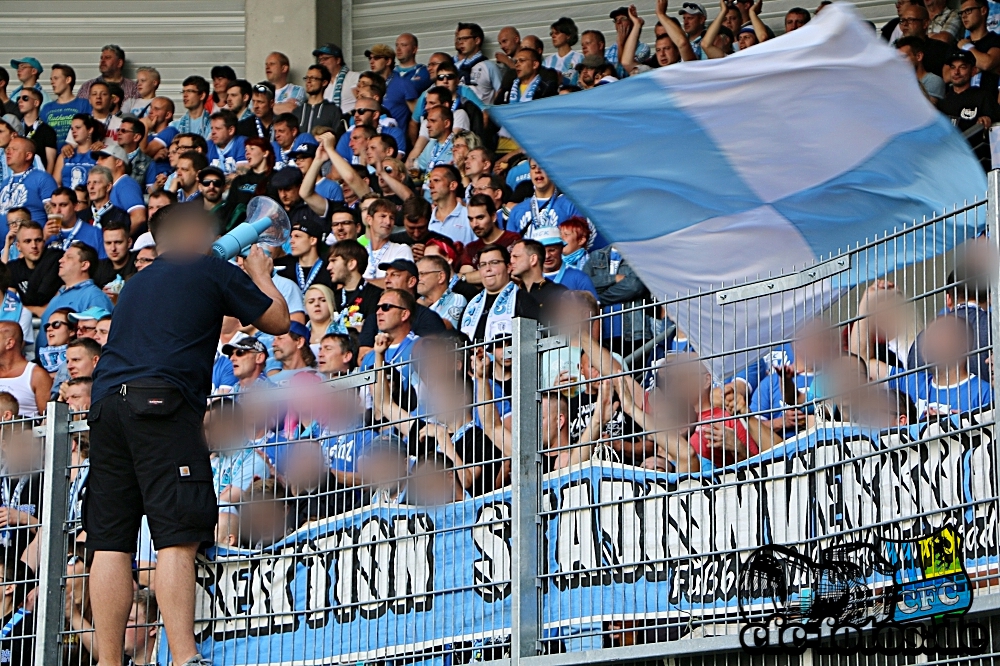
(469, 255)
(718, 456)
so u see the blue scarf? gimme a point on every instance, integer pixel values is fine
(529, 94)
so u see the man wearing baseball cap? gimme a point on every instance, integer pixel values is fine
(590, 65)
(248, 356)
(966, 103)
(260, 124)
(305, 265)
(693, 18)
(288, 182)
(623, 26)
(553, 266)
(342, 81)
(211, 186)
(125, 192)
(398, 91)
(28, 71)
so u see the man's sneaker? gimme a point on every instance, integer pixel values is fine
(197, 660)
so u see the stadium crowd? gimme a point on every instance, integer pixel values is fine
(420, 230)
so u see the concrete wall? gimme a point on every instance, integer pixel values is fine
(289, 26)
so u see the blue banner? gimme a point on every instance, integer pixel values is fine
(620, 542)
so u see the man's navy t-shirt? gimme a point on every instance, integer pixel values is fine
(168, 320)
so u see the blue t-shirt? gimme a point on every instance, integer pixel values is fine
(76, 169)
(78, 298)
(59, 116)
(965, 396)
(550, 213)
(29, 189)
(398, 91)
(329, 190)
(86, 233)
(127, 194)
(575, 280)
(235, 152)
(418, 76)
(164, 137)
(768, 397)
(168, 320)
(342, 451)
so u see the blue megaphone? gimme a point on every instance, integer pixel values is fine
(266, 223)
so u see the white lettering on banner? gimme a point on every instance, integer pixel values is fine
(608, 524)
(491, 536)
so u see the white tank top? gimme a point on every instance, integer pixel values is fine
(20, 388)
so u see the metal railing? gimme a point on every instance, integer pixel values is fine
(601, 487)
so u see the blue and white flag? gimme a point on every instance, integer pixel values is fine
(712, 172)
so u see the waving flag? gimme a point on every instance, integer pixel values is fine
(712, 172)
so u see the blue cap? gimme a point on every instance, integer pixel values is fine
(95, 312)
(299, 329)
(27, 61)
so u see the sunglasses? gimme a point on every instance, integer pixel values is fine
(361, 112)
(447, 77)
(86, 329)
(24, 98)
(386, 307)
(239, 353)
(55, 325)
(211, 182)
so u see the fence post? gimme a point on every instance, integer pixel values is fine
(524, 606)
(49, 607)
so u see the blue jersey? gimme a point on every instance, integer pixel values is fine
(574, 280)
(342, 451)
(127, 195)
(768, 398)
(397, 356)
(164, 137)
(551, 212)
(329, 190)
(78, 298)
(418, 76)
(964, 396)
(76, 169)
(59, 116)
(84, 232)
(222, 374)
(29, 189)
(399, 91)
(226, 158)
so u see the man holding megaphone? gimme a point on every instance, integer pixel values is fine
(148, 453)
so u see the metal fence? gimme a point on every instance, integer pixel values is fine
(663, 479)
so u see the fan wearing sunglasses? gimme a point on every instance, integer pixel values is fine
(211, 185)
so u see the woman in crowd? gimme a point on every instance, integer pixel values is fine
(59, 331)
(72, 170)
(260, 157)
(319, 300)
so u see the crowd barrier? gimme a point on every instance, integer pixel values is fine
(590, 489)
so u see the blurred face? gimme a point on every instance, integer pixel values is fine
(156, 203)
(289, 196)
(494, 271)
(247, 364)
(553, 257)
(332, 358)
(666, 52)
(972, 15)
(235, 100)
(382, 223)
(100, 99)
(57, 330)
(284, 135)
(437, 127)
(264, 521)
(912, 21)
(406, 48)
(220, 134)
(946, 342)
(358, 142)
(317, 307)
(439, 185)
(79, 362)
(262, 105)
(430, 486)
(147, 84)
(429, 277)
(590, 45)
(103, 328)
(187, 175)
(481, 222)
(274, 71)
(396, 279)
(344, 226)
(794, 21)
(62, 205)
(145, 257)
(393, 315)
(525, 65)
(59, 82)
(116, 244)
(465, 43)
(30, 243)
(110, 63)
(78, 399)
